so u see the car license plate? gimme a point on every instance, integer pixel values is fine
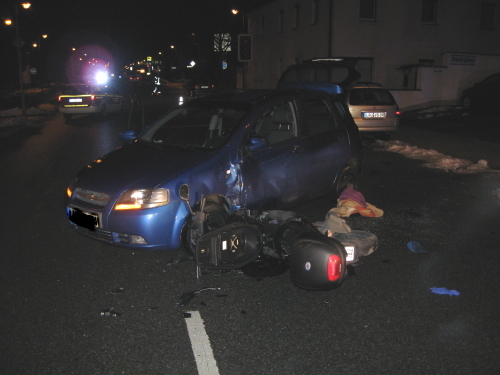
(373, 115)
(350, 253)
(75, 100)
(204, 87)
(84, 219)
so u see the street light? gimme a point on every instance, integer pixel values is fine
(18, 43)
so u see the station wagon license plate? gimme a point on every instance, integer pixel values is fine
(84, 219)
(373, 115)
(75, 100)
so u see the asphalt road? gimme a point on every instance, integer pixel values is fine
(58, 287)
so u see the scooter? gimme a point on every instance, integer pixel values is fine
(223, 238)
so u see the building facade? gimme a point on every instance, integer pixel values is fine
(408, 46)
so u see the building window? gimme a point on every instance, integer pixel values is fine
(429, 8)
(295, 24)
(314, 12)
(280, 21)
(367, 10)
(426, 62)
(487, 21)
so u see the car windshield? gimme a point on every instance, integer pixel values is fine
(200, 126)
(366, 96)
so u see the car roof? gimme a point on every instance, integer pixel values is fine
(351, 74)
(254, 96)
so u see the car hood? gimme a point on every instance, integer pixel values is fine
(137, 166)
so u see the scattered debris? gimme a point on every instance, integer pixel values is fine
(188, 296)
(110, 312)
(416, 247)
(445, 291)
(351, 202)
(117, 290)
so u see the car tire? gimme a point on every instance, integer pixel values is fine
(467, 103)
(67, 117)
(348, 177)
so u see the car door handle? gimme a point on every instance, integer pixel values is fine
(298, 149)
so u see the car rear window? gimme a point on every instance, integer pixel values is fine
(370, 96)
(320, 74)
(77, 90)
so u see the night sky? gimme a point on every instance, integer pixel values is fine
(128, 30)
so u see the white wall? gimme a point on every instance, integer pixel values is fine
(444, 85)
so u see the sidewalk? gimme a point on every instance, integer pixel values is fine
(452, 145)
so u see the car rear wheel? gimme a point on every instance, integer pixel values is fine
(467, 103)
(348, 177)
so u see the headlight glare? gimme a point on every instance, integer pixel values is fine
(138, 199)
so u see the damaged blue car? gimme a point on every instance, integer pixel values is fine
(269, 149)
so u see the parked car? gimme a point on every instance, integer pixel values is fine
(485, 94)
(373, 108)
(77, 99)
(264, 149)
(201, 88)
(324, 70)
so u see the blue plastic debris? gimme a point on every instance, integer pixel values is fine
(445, 291)
(415, 247)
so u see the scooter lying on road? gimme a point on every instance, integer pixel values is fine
(221, 238)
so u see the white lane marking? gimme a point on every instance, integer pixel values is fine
(200, 343)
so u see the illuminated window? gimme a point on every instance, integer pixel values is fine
(429, 10)
(487, 21)
(367, 10)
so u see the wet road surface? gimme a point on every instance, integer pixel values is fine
(60, 291)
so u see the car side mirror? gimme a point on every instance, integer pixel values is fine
(128, 135)
(256, 143)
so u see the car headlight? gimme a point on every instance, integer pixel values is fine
(71, 188)
(142, 198)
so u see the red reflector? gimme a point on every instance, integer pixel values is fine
(334, 268)
(398, 113)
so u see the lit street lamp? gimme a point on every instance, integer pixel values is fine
(18, 43)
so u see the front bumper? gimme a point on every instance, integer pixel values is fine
(160, 227)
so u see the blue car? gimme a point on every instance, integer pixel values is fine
(269, 149)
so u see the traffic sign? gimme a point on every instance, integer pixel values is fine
(33, 70)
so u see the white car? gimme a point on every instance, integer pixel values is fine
(80, 99)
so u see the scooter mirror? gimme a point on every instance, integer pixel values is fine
(184, 192)
(184, 195)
